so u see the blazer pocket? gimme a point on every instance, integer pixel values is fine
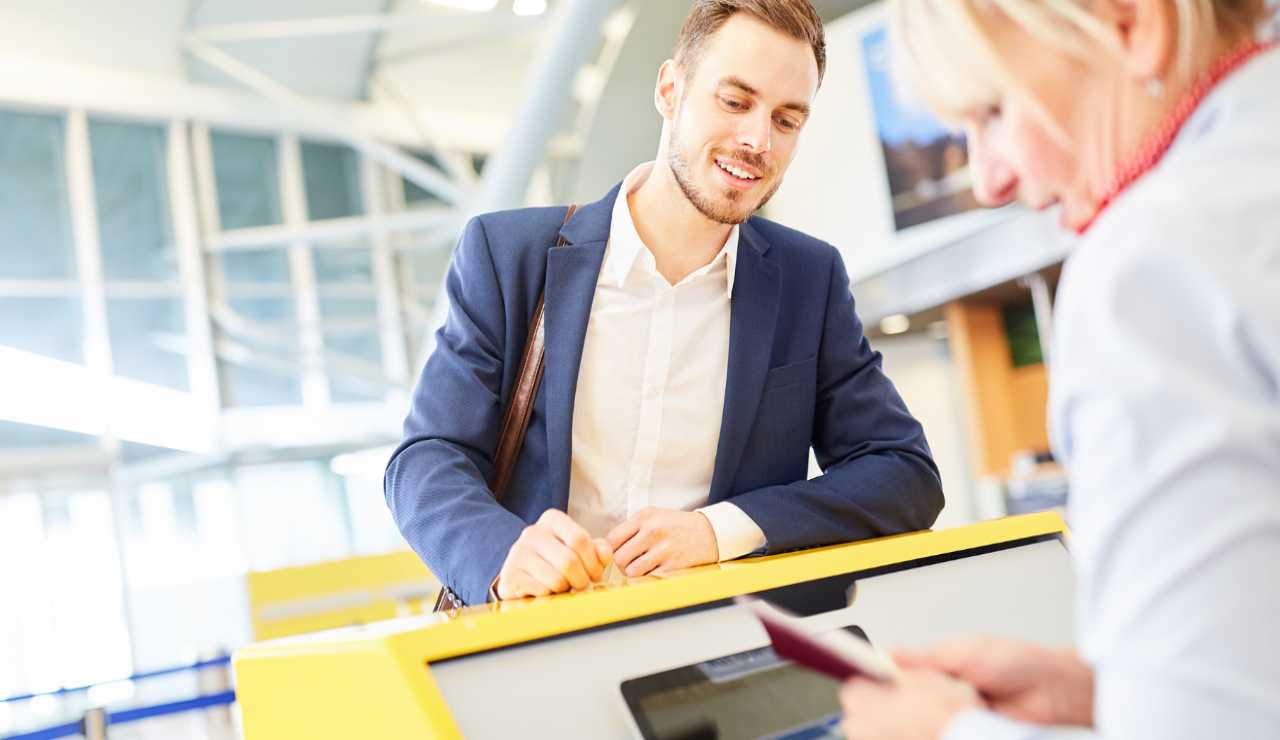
(796, 372)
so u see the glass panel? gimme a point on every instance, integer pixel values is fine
(247, 180)
(263, 266)
(135, 452)
(270, 374)
(13, 434)
(93, 643)
(343, 266)
(35, 217)
(131, 186)
(332, 175)
(45, 326)
(25, 639)
(349, 311)
(351, 331)
(414, 195)
(373, 530)
(220, 550)
(424, 269)
(148, 338)
(274, 316)
(270, 500)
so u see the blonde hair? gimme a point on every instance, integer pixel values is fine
(944, 53)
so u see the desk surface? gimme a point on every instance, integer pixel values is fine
(551, 667)
(564, 687)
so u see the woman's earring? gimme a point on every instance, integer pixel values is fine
(1155, 88)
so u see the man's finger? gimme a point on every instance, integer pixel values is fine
(520, 584)
(645, 564)
(633, 548)
(542, 571)
(604, 552)
(623, 532)
(565, 561)
(576, 539)
(515, 583)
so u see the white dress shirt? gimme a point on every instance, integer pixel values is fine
(646, 415)
(1165, 406)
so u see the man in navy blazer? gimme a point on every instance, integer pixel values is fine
(770, 355)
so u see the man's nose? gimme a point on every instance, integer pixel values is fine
(756, 133)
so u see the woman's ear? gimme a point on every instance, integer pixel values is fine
(1148, 33)
(667, 90)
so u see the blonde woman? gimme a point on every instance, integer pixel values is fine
(1153, 126)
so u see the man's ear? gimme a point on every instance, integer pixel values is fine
(666, 93)
(1148, 34)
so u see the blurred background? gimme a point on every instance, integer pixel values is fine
(224, 225)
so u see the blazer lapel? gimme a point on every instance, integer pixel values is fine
(752, 318)
(572, 272)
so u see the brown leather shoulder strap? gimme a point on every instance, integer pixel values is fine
(515, 422)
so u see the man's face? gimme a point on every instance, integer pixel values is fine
(736, 119)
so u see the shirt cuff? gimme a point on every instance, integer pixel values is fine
(979, 724)
(737, 534)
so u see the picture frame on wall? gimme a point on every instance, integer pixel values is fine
(926, 162)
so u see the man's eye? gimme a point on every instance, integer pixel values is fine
(733, 104)
(787, 124)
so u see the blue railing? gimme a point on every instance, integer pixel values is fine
(136, 714)
(211, 663)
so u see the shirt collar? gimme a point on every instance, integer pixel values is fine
(626, 250)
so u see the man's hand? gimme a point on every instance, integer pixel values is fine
(917, 706)
(663, 540)
(1020, 680)
(552, 556)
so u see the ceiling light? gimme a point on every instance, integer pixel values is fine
(895, 324)
(475, 6)
(529, 7)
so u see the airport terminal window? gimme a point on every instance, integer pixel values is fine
(263, 362)
(160, 549)
(349, 319)
(36, 241)
(416, 196)
(71, 629)
(270, 497)
(373, 531)
(422, 269)
(148, 340)
(131, 187)
(49, 326)
(332, 176)
(248, 180)
(217, 516)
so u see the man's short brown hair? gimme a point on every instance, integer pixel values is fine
(795, 18)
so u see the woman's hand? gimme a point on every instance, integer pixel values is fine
(917, 706)
(1020, 680)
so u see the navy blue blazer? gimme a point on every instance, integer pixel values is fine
(800, 374)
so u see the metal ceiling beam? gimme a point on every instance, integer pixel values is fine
(575, 34)
(413, 169)
(349, 24)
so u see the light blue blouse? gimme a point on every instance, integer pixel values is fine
(1165, 407)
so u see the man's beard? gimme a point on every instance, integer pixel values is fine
(725, 213)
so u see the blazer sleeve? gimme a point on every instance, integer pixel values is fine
(879, 477)
(435, 483)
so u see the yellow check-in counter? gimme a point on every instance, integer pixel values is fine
(551, 667)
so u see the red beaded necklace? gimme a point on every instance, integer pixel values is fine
(1158, 142)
